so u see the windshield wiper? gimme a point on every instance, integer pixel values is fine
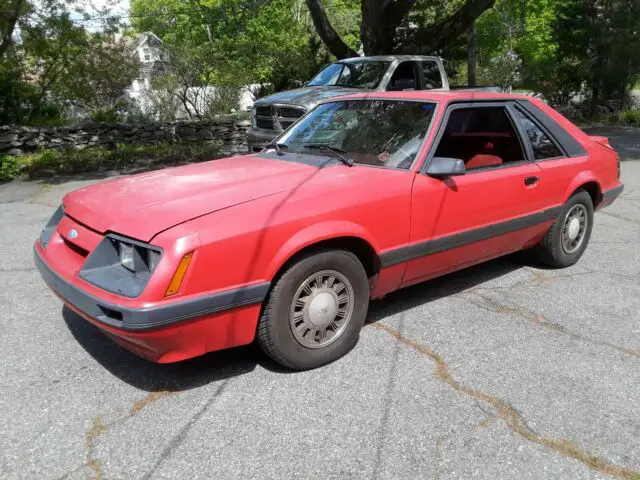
(277, 147)
(338, 152)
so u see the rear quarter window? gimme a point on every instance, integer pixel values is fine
(542, 145)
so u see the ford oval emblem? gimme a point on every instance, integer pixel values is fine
(73, 234)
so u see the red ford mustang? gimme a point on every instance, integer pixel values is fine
(364, 195)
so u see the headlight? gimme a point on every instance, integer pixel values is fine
(126, 257)
(138, 258)
(121, 265)
(51, 226)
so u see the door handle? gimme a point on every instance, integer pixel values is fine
(528, 181)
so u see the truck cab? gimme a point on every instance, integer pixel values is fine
(272, 115)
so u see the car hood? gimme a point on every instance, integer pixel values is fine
(141, 206)
(306, 97)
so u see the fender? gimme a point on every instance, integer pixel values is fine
(314, 234)
(585, 176)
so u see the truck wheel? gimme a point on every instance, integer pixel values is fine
(315, 311)
(566, 241)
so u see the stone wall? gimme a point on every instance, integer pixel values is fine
(228, 136)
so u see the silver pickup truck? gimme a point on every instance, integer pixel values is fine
(274, 114)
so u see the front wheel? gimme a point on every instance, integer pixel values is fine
(566, 241)
(315, 311)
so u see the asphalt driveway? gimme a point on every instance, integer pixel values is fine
(506, 370)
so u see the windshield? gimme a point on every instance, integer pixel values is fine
(384, 133)
(365, 74)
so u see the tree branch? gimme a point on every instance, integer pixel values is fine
(436, 37)
(326, 31)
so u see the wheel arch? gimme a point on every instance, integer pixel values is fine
(586, 181)
(310, 240)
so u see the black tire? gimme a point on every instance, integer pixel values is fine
(275, 335)
(551, 248)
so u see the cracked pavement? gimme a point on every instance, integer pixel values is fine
(505, 370)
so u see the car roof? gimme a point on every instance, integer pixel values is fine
(432, 95)
(387, 58)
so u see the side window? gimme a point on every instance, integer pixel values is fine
(543, 146)
(405, 77)
(432, 75)
(482, 137)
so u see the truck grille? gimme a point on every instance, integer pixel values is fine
(277, 117)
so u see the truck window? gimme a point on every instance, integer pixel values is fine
(432, 75)
(405, 77)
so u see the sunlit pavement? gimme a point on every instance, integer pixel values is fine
(507, 370)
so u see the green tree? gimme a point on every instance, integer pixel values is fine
(243, 42)
(98, 76)
(49, 61)
(600, 40)
(10, 13)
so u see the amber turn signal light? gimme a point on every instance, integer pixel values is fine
(181, 271)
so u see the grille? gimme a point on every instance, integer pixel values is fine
(291, 112)
(263, 111)
(277, 117)
(266, 123)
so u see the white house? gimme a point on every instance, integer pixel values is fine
(149, 48)
(154, 60)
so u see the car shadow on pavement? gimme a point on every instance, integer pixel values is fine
(153, 377)
(448, 285)
(235, 362)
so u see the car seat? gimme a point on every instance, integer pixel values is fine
(484, 159)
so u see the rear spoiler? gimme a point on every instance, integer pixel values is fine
(601, 140)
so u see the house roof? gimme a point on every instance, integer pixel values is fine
(144, 38)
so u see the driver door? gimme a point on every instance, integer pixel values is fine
(495, 208)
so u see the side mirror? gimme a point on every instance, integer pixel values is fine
(442, 167)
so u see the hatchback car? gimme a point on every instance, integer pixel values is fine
(362, 196)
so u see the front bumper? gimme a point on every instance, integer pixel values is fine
(258, 139)
(172, 331)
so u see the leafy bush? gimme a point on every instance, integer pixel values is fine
(502, 71)
(8, 167)
(629, 117)
(53, 162)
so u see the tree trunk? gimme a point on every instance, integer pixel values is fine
(11, 16)
(326, 31)
(380, 20)
(380, 33)
(472, 56)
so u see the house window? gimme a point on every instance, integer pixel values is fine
(146, 54)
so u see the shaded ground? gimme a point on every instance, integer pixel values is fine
(501, 371)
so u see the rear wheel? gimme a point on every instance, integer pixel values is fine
(315, 311)
(569, 236)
